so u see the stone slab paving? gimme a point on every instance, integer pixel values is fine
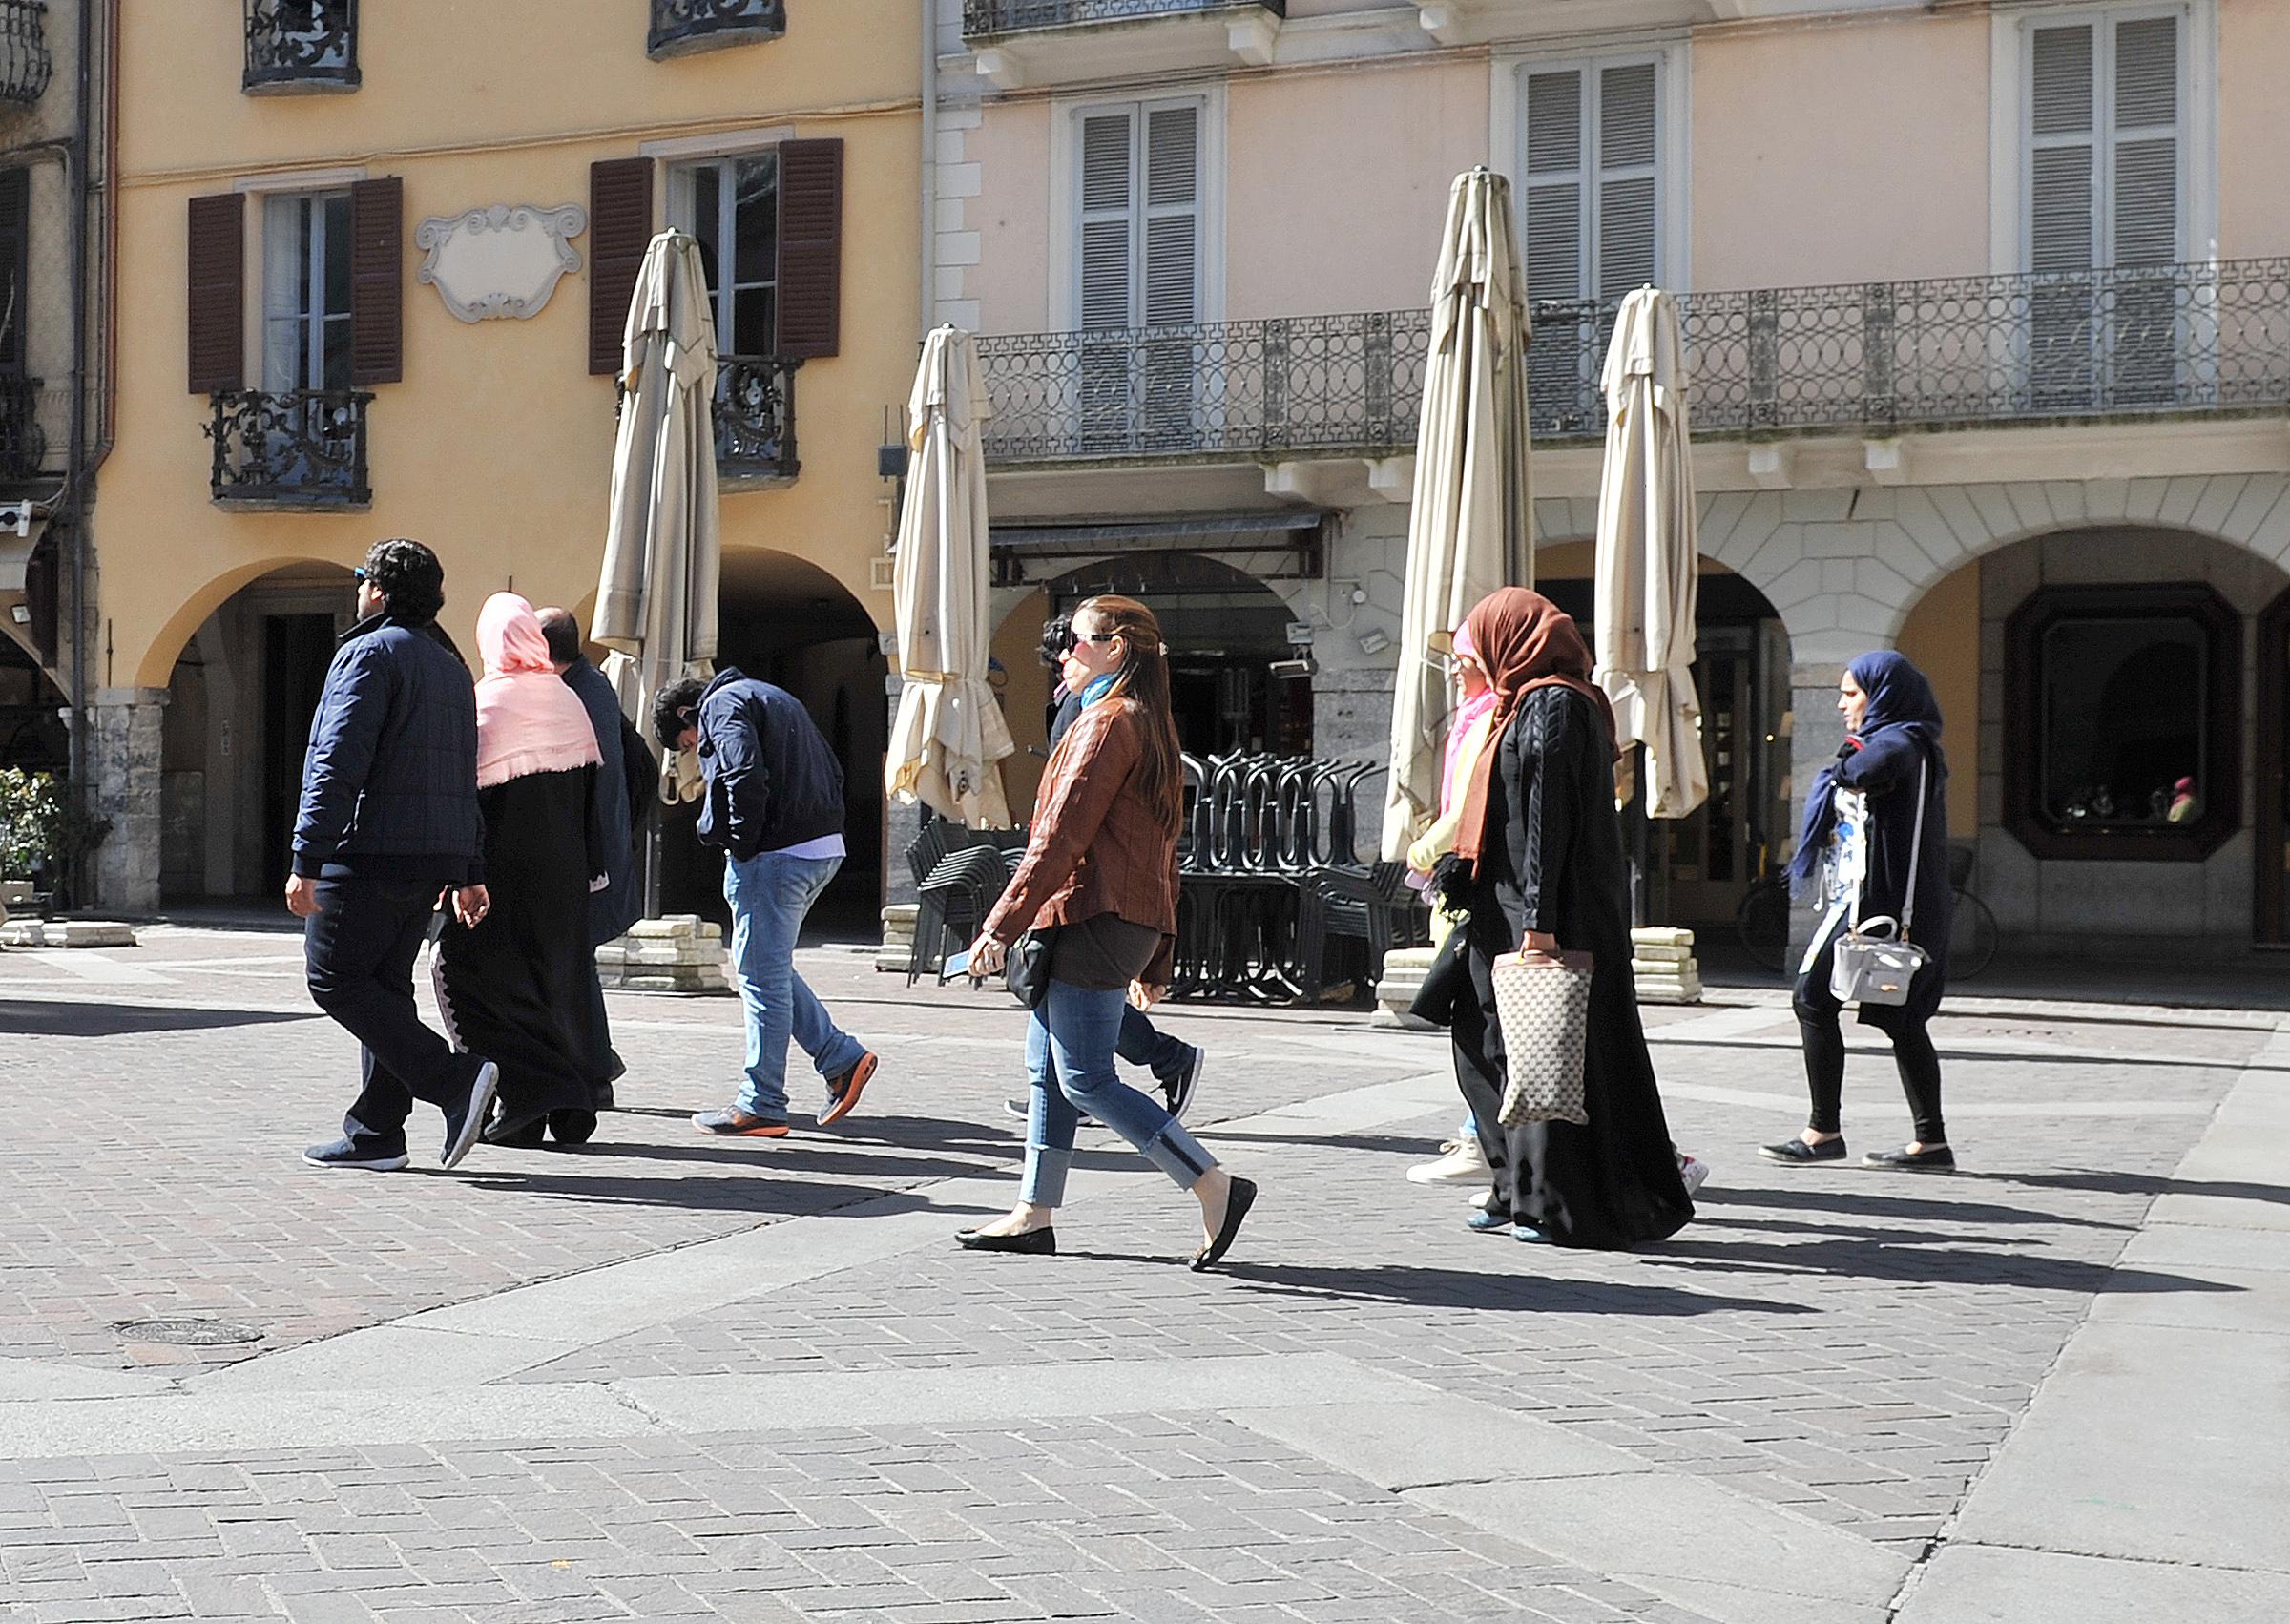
(861, 1423)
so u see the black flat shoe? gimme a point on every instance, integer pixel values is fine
(1039, 1242)
(1243, 1196)
(1797, 1150)
(1932, 1158)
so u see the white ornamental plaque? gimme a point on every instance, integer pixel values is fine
(500, 261)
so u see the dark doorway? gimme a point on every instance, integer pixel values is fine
(2271, 768)
(296, 650)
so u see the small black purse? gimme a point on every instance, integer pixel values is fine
(1029, 971)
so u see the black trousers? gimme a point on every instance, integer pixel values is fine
(1818, 1010)
(359, 951)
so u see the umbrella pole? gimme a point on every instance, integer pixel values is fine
(1640, 840)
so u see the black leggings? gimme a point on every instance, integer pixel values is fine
(1816, 1017)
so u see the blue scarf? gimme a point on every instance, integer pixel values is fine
(1900, 705)
(1098, 688)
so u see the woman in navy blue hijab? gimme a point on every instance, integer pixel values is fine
(1858, 832)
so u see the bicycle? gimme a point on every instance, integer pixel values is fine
(1762, 921)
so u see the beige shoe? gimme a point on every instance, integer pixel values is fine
(1463, 1164)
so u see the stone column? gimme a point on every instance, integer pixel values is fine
(123, 785)
(1817, 730)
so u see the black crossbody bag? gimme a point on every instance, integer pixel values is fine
(1029, 971)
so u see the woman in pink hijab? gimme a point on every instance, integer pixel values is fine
(514, 987)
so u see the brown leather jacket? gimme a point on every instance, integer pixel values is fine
(1097, 846)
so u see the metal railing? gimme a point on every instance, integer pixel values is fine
(1869, 356)
(755, 418)
(1306, 382)
(983, 19)
(26, 65)
(301, 45)
(682, 25)
(300, 448)
(23, 438)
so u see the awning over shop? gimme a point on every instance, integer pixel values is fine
(1028, 554)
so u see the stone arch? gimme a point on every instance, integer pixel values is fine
(152, 667)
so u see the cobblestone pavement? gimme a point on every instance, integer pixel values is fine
(847, 1419)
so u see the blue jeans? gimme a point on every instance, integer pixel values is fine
(1143, 1043)
(770, 893)
(1069, 1054)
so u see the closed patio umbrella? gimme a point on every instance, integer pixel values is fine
(1468, 530)
(1649, 565)
(949, 737)
(656, 596)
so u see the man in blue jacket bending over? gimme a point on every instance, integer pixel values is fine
(773, 803)
(388, 828)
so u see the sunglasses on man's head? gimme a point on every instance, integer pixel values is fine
(360, 574)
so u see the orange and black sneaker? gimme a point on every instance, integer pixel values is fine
(733, 1122)
(844, 1092)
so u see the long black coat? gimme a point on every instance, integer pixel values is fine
(1884, 769)
(1553, 862)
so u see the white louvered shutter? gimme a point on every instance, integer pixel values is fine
(1557, 186)
(1172, 263)
(1626, 206)
(2144, 139)
(1108, 219)
(2063, 192)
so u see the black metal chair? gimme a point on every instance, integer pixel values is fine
(1372, 906)
(958, 894)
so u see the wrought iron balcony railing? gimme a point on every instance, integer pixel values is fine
(985, 19)
(23, 434)
(303, 449)
(755, 418)
(25, 64)
(680, 27)
(301, 45)
(1874, 358)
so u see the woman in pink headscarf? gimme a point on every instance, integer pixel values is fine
(514, 987)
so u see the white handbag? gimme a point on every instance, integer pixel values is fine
(1544, 1008)
(1874, 961)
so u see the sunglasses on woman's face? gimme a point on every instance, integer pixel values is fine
(1099, 638)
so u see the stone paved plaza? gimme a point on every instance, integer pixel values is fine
(676, 1377)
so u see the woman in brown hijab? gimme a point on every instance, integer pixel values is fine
(1538, 867)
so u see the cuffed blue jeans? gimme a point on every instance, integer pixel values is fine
(770, 893)
(1141, 1043)
(1069, 1056)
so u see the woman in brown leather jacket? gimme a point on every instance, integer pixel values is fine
(1101, 875)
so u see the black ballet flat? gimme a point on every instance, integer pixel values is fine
(1243, 1196)
(1799, 1152)
(1932, 1158)
(1039, 1242)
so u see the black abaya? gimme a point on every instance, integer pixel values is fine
(515, 989)
(1552, 862)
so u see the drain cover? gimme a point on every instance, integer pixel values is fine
(188, 1333)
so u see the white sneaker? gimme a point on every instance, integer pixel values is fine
(1694, 1172)
(1464, 1163)
(1481, 1199)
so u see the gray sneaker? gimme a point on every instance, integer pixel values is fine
(462, 1128)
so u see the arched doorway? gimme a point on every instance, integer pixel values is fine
(788, 622)
(1700, 865)
(240, 698)
(32, 735)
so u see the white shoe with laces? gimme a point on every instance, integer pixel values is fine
(1464, 1163)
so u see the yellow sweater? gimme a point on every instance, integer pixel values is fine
(1439, 839)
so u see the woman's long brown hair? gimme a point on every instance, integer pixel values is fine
(1143, 679)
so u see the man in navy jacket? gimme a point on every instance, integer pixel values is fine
(772, 803)
(388, 828)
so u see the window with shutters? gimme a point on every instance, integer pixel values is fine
(1138, 262)
(15, 268)
(1590, 203)
(731, 205)
(306, 321)
(2104, 204)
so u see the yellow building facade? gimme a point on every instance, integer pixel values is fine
(373, 267)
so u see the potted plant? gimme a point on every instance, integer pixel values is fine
(40, 836)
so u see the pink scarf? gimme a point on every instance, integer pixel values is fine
(1460, 722)
(527, 720)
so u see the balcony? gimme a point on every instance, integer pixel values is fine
(681, 28)
(1050, 42)
(27, 411)
(25, 64)
(301, 450)
(755, 421)
(1875, 360)
(301, 47)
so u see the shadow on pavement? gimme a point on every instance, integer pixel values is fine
(1457, 1288)
(1854, 1202)
(36, 1017)
(1934, 1262)
(2143, 1184)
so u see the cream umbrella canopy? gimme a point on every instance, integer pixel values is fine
(657, 597)
(1649, 566)
(950, 736)
(1468, 532)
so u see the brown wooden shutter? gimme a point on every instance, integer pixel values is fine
(810, 249)
(218, 308)
(620, 231)
(378, 281)
(16, 265)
